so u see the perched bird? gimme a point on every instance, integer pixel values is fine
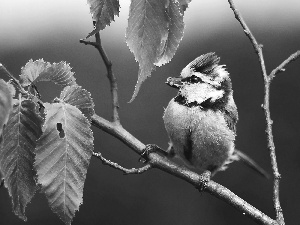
(201, 119)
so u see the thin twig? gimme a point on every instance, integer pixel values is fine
(282, 66)
(20, 87)
(266, 107)
(257, 47)
(117, 166)
(88, 43)
(164, 164)
(110, 76)
(15, 80)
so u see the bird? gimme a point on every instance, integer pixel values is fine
(201, 119)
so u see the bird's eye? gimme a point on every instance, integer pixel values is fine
(195, 79)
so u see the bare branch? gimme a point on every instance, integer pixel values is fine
(117, 166)
(110, 75)
(163, 163)
(88, 42)
(266, 107)
(282, 66)
(257, 47)
(277, 176)
(247, 31)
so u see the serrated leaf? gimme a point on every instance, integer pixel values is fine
(62, 158)
(39, 70)
(79, 97)
(103, 12)
(17, 154)
(154, 31)
(5, 103)
(175, 32)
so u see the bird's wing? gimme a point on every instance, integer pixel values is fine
(231, 114)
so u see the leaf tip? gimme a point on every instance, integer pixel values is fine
(22, 217)
(144, 72)
(135, 93)
(19, 211)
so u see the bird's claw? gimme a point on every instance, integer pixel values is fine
(149, 149)
(146, 151)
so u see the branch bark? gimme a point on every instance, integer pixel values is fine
(266, 106)
(281, 67)
(118, 167)
(164, 164)
(110, 75)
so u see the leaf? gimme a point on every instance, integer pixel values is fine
(17, 154)
(184, 4)
(103, 12)
(39, 70)
(11, 88)
(81, 98)
(175, 32)
(154, 31)
(62, 158)
(5, 103)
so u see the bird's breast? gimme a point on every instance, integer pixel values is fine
(200, 137)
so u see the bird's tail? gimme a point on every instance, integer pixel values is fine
(251, 163)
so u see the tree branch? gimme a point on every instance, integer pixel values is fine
(257, 47)
(118, 167)
(266, 106)
(282, 66)
(163, 163)
(110, 75)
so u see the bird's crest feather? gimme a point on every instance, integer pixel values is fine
(205, 63)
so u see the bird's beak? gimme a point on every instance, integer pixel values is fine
(174, 82)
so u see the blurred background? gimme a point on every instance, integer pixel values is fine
(51, 30)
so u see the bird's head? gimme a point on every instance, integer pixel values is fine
(202, 81)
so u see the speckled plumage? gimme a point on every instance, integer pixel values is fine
(201, 119)
(201, 138)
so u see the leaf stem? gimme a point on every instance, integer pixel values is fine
(15, 80)
(117, 166)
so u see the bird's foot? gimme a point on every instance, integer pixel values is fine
(204, 179)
